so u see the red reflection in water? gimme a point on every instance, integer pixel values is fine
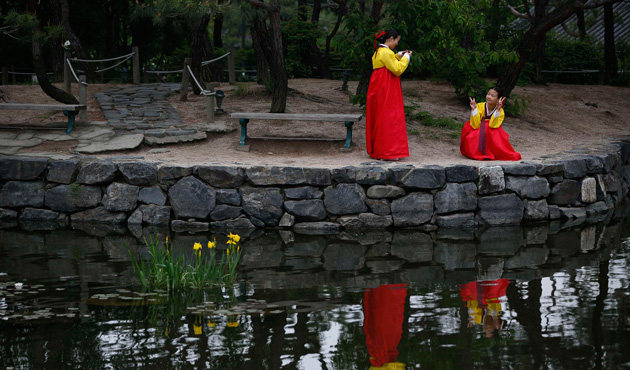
(384, 309)
(483, 299)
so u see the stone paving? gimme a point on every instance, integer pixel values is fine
(135, 115)
(143, 109)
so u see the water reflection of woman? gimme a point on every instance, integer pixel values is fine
(483, 299)
(384, 309)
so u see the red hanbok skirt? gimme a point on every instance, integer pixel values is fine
(384, 310)
(497, 144)
(484, 291)
(385, 127)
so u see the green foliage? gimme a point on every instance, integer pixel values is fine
(358, 99)
(296, 35)
(573, 55)
(164, 11)
(204, 269)
(434, 30)
(515, 106)
(19, 25)
(75, 188)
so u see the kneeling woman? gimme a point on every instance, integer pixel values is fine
(482, 136)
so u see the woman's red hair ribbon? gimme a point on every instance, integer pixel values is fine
(376, 36)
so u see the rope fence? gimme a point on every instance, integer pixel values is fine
(164, 72)
(205, 63)
(203, 91)
(27, 73)
(76, 78)
(127, 56)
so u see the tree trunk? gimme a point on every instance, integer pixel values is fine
(341, 11)
(77, 46)
(257, 31)
(540, 11)
(580, 23)
(111, 31)
(55, 45)
(141, 31)
(316, 55)
(38, 64)
(201, 50)
(364, 82)
(610, 55)
(317, 9)
(217, 29)
(274, 54)
(278, 71)
(528, 43)
(301, 10)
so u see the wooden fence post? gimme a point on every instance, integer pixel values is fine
(231, 69)
(145, 76)
(82, 98)
(66, 73)
(185, 78)
(5, 75)
(210, 108)
(210, 102)
(136, 64)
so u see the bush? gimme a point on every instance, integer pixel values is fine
(573, 55)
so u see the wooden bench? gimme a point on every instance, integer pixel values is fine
(70, 110)
(347, 119)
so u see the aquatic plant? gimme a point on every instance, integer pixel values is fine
(206, 268)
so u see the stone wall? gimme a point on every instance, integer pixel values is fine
(314, 200)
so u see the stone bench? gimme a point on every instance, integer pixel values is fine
(70, 110)
(347, 119)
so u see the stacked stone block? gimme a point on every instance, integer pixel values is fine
(314, 200)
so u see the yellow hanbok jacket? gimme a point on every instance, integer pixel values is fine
(496, 120)
(390, 60)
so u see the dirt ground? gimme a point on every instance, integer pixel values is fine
(557, 118)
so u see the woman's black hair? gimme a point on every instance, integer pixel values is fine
(389, 33)
(499, 91)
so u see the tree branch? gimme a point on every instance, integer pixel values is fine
(515, 11)
(527, 10)
(260, 4)
(568, 30)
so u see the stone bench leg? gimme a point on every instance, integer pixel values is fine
(242, 147)
(71, 115)
(348, 134)
(243, 122)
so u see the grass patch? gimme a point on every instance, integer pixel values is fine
(426, 119)
(204, 269)
(439, 128)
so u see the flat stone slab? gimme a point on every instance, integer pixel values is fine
(217, 127)
(20, 143)
(152, 140)
(91, 134)
(123, 142)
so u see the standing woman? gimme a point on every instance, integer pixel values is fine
(385, 128)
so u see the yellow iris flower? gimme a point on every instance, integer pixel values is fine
(197, 246)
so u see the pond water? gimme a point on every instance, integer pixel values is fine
(546, 296)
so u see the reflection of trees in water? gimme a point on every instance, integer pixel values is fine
(304, 269)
